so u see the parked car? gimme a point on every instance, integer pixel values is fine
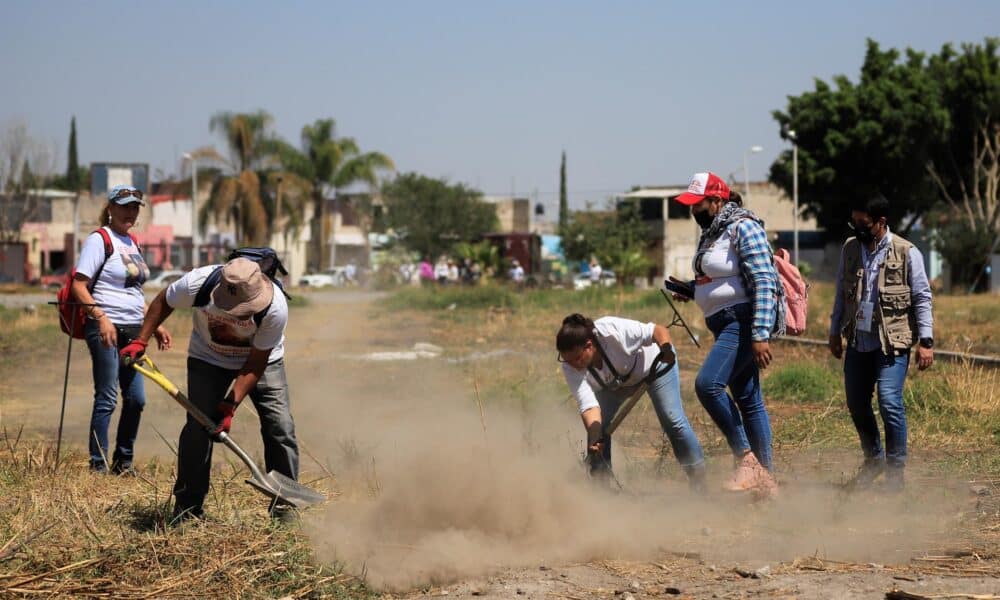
(163, 279)
(54, 280)
(581, 281)
(331, 277)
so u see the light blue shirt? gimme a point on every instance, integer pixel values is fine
(920, 293)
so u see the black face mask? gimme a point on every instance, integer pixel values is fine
(704, 219)
(863, 233)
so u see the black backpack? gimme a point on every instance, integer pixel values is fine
(270, 265)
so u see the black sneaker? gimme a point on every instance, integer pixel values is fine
(867, 473)
(123, 468)
(100, 468)
(697, 480)
(285, 515)
(184, 514)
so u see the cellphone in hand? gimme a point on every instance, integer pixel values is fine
(679, 287)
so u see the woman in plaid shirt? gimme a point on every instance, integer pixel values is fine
(737, 288)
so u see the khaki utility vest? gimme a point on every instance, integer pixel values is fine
(892, 318)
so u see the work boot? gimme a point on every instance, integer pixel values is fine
(98, 467)
(868, 472)
(894, 480)
(747, 473)
(183, 514)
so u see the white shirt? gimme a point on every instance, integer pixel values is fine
(721, 263)
(118, 289)
(517, 273)
(627, 344)
(595, 273)
(221, 339)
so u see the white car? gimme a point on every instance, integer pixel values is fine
(163, 279)
(331, 277)
(581, 281)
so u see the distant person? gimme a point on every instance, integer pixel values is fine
(604, 362)
(736, 287)
(595, 272)
(237, 350)
(351, 273)
(475, 272)
(453, 276)
(441, 271)
(516, 272)
(426, 271)
(114, 286)
(882, 307)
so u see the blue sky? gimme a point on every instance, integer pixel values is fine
(487, 93)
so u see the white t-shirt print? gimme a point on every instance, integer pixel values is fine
(118, 289)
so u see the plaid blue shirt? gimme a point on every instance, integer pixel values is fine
(759, 276)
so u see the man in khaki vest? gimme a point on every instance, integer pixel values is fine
(882, 308)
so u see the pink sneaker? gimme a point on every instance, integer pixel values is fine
(746, 474)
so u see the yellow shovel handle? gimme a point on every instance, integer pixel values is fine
(147, 367)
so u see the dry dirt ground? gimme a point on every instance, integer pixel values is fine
(444, 486)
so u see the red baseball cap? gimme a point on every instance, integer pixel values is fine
(702, 185)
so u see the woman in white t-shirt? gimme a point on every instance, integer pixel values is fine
(604, 363)
(111, 286)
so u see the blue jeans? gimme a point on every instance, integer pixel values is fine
(739, 412)
(108, 378)
(863, 371)
(665, 392)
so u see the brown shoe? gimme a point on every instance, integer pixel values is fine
(746, 474)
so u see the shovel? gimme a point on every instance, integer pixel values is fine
(280, 488)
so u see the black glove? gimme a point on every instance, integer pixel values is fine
(665, 357)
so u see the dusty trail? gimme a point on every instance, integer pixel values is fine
(434, 496)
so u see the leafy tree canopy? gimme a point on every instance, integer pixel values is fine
(432, 215)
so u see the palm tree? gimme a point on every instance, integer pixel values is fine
(256, 209)
(332, 164)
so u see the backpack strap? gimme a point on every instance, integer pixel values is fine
(204, 295)
(611, 367)
(109, 249)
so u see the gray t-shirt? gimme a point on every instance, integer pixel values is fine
(221, 339)
(118, 289)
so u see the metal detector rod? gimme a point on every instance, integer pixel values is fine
(678, 318)
(69, 353)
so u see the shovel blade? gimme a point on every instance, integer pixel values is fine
(285, 490)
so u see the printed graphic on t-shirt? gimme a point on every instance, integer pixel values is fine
(227, 335)
(136, 270)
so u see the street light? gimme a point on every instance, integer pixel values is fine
(790, 134)
(746, 172)
(194, 207)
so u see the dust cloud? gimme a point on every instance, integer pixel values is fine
(428, 497)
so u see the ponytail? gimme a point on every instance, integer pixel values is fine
(575, 331)
(105, 217)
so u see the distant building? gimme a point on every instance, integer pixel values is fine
(514, 214)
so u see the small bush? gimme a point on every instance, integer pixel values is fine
(802, 383)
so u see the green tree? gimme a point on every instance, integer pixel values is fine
(858, 139)
(332, 164)
(965, 167)
(563, 198)
(431, 215)
(258, 192)
(619, 239)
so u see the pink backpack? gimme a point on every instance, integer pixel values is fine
(796, 293)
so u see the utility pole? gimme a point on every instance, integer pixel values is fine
(194, 207)
(746, 171)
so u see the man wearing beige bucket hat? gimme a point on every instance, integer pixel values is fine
(236, 350)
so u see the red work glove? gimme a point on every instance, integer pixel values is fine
(133, 352)
(225, 410)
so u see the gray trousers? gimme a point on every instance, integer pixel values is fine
(207, 386)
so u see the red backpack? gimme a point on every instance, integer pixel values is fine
(73, 316)
(796, 293)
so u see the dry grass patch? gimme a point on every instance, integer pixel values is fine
(69, 533)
